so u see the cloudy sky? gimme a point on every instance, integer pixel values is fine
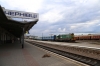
(60, 16)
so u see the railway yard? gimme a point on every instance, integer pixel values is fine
(51, 43)
(85, 51)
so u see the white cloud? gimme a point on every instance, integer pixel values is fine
(73, 27)
(54, 14)
(51, 16)
(25, 5)
(61, 29)
(87, 26)
(60, 15)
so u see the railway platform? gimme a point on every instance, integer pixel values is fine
(83, 43)
(12, 54)
(88, 54)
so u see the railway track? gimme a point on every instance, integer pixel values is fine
(80, 58)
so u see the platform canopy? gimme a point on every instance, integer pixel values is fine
(15, 27)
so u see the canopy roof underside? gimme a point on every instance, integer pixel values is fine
(15, 27)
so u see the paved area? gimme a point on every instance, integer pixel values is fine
(14, 55)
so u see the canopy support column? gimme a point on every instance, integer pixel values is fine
(23, 39)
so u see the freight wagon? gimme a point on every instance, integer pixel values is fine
(87, 37)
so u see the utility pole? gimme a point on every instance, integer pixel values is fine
(42, 36)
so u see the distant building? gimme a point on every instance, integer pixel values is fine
(30, 37)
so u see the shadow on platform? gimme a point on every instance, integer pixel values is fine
(15, 45)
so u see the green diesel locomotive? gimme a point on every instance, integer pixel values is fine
(65, 37)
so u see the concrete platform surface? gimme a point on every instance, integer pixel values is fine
(87, 44)
(14, 55)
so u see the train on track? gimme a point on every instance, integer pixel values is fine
(62, 37)
(68, 37)
(88, 37)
